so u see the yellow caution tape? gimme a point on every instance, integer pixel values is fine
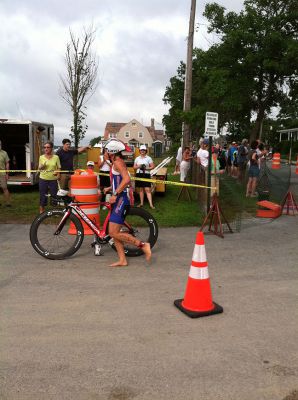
(132, 178)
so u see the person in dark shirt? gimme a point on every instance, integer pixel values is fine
(66, 155)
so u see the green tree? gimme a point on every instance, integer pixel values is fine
(251, 71)
(95, 140)
(80, 80)
(173, 96)
(261, 41)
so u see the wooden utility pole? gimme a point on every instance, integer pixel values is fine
(188, 73)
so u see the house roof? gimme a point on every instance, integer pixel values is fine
(114, 127)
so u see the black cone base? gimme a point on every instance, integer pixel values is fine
(197, 314)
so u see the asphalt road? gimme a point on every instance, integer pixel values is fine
(80, 330)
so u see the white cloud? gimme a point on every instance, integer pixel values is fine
(139, 44)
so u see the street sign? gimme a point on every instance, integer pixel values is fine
(211, 123)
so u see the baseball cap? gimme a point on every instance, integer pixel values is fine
(143, 147)
(90, 163)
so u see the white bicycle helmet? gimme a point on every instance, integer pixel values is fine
(114, 146)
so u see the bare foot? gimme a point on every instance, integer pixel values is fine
(147, 251)
(119, 264)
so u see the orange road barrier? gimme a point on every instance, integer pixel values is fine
(268, 209)
(85, 189)
(197, 301)
(276, 161)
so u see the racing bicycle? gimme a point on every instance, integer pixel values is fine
(50, 231)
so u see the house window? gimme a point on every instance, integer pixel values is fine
(126, 134)
(140, 135)
(133, 124)
(113, 135)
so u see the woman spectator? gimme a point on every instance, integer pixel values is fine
(185, 163)
(142, 165)
(253, 171)
(49, 164)
(104, 165)
(178, 161)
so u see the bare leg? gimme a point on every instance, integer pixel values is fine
(253, 186)
(124, 237)
(114, 230)
(120, 250)
(41, 209)
(149, 196)
(6, 196)
(248, 187)
(141, 196)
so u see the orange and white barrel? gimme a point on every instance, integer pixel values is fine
(84, 188)
(276, 161)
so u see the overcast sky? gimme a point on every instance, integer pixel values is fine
(139, 45)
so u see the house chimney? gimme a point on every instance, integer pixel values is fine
(152, 124)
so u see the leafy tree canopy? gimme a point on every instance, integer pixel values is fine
(251, 71)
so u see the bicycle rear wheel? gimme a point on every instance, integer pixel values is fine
(142, 225)
(50, 244)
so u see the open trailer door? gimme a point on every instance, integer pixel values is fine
(23, 141)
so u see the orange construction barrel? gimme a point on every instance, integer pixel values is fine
(84, 187)
(276, 161)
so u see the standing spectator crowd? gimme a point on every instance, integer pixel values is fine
(235, 159)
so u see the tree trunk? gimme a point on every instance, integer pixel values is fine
(255, 133)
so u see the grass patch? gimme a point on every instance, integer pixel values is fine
(169, 211)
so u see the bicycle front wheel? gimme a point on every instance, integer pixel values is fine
(54, 245)
(142, 225)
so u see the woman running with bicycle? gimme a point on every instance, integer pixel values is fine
(120, 200)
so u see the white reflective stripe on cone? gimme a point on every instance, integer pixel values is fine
(199, 253)
(84, 191)
(198, 272)
(89, 211)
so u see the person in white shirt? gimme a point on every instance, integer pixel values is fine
(203, 154)
(185, 163)
(104, 165)
(178, 161)
(203, 160)
(142, 165)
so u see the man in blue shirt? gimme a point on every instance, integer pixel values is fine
(66, 155)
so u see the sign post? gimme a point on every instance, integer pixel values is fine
(211, 125)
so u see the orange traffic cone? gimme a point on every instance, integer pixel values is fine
(197, 301)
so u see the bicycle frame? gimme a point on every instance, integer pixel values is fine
(76, 208)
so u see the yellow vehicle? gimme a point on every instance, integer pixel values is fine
(161, 176)
(158, 173)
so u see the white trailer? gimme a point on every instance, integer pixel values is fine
(23, 141)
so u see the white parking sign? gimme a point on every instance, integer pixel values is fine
(211, 123)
